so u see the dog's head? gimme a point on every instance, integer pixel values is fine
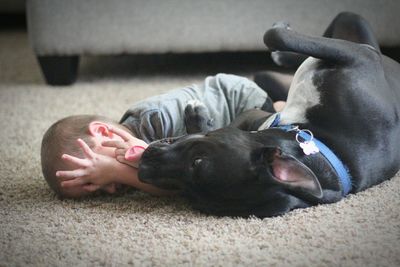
(230, 172)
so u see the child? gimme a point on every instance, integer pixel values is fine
(97, 164)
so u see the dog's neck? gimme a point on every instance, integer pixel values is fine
(311, 145)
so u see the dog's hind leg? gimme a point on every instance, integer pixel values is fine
(351, 27)
(333, 50)
(346, 26)
(290, 60)
(197, 118)
(339, 44)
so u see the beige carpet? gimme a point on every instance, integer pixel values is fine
(36, 229)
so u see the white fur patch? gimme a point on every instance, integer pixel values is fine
(267, 123)
(302, 94)
(195, 103)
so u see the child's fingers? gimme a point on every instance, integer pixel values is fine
(121, 133)
(86, 149)
(71, 174)
(114, 143)
(91, 187)
(73, 182)
(75, 160)
(120, 151)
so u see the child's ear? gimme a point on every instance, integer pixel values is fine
(98, 128)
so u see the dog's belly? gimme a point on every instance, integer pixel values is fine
(303, 94)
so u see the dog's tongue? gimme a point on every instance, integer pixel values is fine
(134, 153)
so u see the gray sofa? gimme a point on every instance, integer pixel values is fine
(62, 30)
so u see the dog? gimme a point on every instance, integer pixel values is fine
(338, 133)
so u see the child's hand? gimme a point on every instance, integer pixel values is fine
(93, 172)
(128, 151)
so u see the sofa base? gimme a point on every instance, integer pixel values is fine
(59, 70)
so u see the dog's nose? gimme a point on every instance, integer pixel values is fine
(154, 151)
(158, 146)
(167, 141)
(161, 142)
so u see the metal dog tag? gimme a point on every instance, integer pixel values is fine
(309, 147)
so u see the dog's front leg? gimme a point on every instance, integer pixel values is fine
(197, 118)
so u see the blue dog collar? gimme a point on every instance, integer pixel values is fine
(337, 164)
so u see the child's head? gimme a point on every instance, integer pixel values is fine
(61, 138)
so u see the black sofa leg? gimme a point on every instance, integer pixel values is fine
(59, 70)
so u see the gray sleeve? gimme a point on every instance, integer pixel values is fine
(226, 96)
(240, 93)
(161, 116)
(148, 125)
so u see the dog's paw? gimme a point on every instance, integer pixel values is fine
(197, 117)
(281, 24)
(196, 108)
(195, 104)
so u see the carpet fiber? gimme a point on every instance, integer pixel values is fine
(37, 229)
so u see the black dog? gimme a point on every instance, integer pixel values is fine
(346, 94)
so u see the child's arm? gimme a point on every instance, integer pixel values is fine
(129, 176)
(97, 170)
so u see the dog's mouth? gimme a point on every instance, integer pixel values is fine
(146, 175)
(154, 165)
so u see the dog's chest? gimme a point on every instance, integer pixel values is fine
(303, 94)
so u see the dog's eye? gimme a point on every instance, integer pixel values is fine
(197, 162)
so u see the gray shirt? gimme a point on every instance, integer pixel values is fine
(162, 116)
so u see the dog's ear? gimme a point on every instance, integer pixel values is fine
(291, 173)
